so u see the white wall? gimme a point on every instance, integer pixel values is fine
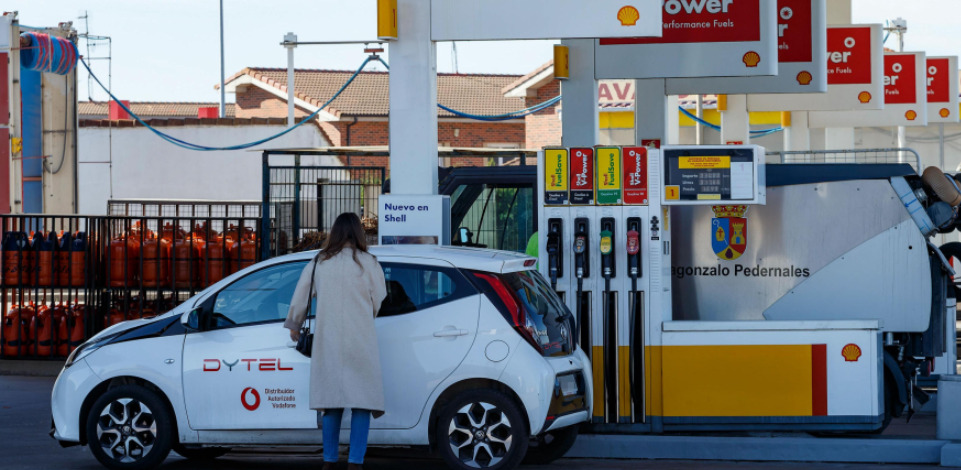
(147, 167)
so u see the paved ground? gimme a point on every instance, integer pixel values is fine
(24, 444)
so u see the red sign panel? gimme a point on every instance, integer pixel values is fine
(635, 175)
(849, 56)
(900, 85)
(794, 31)
(582, 176)
(689, 21)
(939, 80)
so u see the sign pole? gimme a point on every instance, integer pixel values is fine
(735, 121)
(579, 121)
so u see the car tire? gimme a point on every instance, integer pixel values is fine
(481, 429)
(550, 446)
(130, 428)
(200, 453)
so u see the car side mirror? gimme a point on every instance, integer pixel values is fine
(191, 321)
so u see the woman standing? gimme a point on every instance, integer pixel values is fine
(345, 363)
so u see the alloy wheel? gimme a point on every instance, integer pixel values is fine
(126, 430)
(480, 435)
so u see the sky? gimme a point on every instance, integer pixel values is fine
(169, 50)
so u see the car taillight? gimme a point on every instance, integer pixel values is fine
(515, 314)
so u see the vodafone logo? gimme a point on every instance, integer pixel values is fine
(251, 403)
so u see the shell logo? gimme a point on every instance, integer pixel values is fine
(864, 97)
(910, 115)
(851, 352)
(804, 78)
(628, 16)
(751, 59)
(944, 112)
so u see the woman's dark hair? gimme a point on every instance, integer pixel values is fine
(346, 232)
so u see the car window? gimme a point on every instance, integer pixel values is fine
(413, 287)
(499, 216)
(260, 296)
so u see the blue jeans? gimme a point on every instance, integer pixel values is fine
(359, 427)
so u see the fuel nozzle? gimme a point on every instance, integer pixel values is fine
(580, 248)
(607, 248)
(553, 253)
(634, 246)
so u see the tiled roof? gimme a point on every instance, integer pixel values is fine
(368, 94)
(149, 109)
(181, 122)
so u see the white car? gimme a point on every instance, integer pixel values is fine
(477, 353)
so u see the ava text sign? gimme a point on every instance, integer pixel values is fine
(701, 38)
(942, 83)
(488, 20)
(801, 52)
(855, 75)
(905, 97)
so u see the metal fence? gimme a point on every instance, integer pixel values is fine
(304, 201)
(182, 208)
(64, 278)
(888, 155)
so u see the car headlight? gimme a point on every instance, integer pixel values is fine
(86, 349)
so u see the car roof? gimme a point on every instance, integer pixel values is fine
(466, 258)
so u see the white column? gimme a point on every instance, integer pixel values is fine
(837, 138)
(579, 119)
(413, 102)
(290, 38)
(651, 113)
(839, 11)
(797, 136)
(735, 121)
(673, 121)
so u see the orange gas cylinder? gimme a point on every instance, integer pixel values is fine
(46, 256)
(123, 256)
(215, 266)
(203, 232)
(113, 317)
(42, 330)
(15, 332)
(61, 337)
(187, 254)
(78, 259)
(16, 259)
(243, 252)
(156, 262)
(76, 321)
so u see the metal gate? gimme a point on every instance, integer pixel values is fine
(301, 203)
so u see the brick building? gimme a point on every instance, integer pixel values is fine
(359, 116)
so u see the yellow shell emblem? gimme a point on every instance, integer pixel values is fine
(804, 78)
(851, 352)
(910, 115)
(751, 59)
(944, 112)
(628, 16)
(864, 97)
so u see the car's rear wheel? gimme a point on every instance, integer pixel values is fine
(481, 429)
(130, 428)
(550, 446)
(200, 453)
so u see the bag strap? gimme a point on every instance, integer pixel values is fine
(310, 296)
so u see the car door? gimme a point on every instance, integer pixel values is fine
(425, 328)
(241, 373)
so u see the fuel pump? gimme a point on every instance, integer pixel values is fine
(608, 270)
(636, 322)
(582, 268)
(555, 257)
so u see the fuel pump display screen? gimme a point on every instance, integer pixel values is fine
(709, 174)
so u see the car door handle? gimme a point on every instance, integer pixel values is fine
(449, 333)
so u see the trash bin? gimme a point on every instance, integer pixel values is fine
(949, 407)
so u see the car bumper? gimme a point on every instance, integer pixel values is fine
(69, 391)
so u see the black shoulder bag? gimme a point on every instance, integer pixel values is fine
(306, 342)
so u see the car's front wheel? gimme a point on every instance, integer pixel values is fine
(481, 429)
(130, 428)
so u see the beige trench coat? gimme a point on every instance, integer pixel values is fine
(345, 361)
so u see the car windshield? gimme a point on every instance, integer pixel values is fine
(544, 308)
